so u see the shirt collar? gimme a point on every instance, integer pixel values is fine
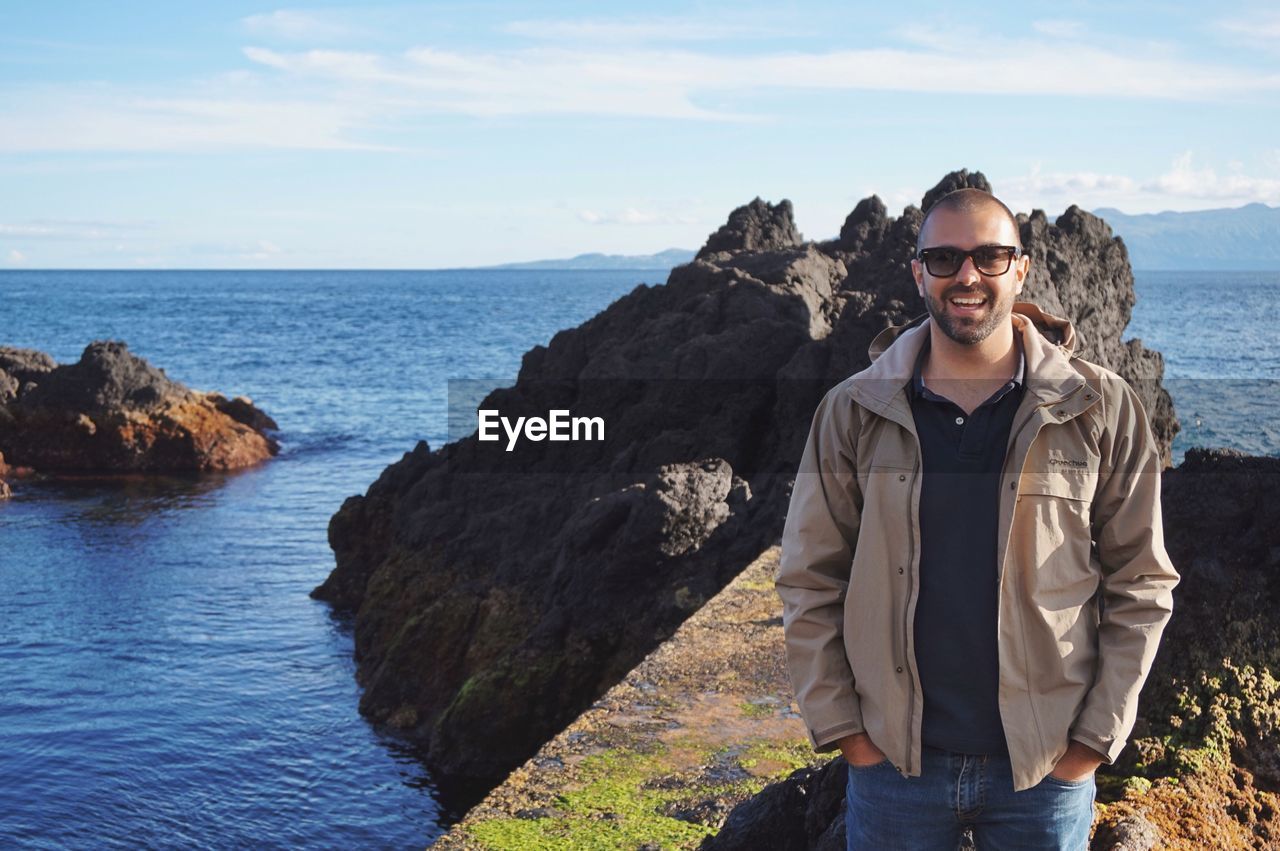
(918, 387)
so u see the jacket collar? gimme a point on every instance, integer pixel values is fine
(1048, 344)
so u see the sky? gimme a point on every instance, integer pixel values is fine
(439, 135)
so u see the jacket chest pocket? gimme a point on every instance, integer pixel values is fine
(1067, 483)
(1050, 548)
(1054, 507)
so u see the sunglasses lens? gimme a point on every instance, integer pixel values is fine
(992, 259)
(943, 262)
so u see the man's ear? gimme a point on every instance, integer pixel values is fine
(918, 273)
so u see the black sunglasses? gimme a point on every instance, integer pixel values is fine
(945, 260)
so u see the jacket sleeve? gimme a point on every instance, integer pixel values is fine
(818, 541)
(1138, 577)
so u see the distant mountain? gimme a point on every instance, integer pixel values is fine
(663, 260)
(1245, 237)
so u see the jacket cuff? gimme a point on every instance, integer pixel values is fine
(824, 741)
(1108, 749)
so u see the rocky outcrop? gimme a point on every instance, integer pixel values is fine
(756, 227)
(498, 593)
(112, 412)
(1204, 757)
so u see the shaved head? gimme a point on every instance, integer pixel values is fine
(968, 201)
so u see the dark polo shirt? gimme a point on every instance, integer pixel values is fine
(955, 618)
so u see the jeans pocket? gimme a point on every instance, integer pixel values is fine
(859, 768)
(1069, 784)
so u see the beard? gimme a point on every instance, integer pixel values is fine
(964, 329)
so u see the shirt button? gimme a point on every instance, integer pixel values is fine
(899, 570)
(959, 420)
(902, 478)
(899, 669)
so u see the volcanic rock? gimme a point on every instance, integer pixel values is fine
(496, 594)
(758, 226)
(112, 412)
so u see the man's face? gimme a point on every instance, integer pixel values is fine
(966, 323)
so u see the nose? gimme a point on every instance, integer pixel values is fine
(968, 272)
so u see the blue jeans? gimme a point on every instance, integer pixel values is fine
(886, 810)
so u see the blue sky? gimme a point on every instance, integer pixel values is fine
(429, 135)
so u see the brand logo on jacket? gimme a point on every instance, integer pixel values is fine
(1069, 462)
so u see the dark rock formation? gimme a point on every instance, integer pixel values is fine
(759, 226)
(805, 811)
(962, 179)
(112, 412)
(1207, 739)
(499, 593)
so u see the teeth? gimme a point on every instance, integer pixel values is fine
(968, 300)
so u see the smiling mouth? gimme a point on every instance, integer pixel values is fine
(968, 304)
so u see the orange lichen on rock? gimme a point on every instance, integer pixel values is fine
(112, 412)
(1208, 809)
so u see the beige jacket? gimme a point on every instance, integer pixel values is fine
(1085, 584)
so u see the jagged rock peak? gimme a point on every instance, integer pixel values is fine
(962, 179)
(865, 226)
(25, 364)
(1076, 221)
(758, 226)
(107, 375)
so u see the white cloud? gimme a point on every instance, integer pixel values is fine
(326, 99)
(56, 229)
(1261, 27)
(296, 25)
(264, 250)
(113, 119)
(532, 81)
(1067, 183)
(670, 28)
(632, 216)
(1059, 28)
(16, 257)
(669, 82)
(1181, 187)
(1186, 181)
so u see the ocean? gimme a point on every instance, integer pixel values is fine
(164, 678)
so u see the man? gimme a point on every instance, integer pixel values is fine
(973, 572)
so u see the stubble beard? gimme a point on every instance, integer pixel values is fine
(967, 332)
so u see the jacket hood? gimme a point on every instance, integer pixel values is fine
(1053, 329)
(1048, 344)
